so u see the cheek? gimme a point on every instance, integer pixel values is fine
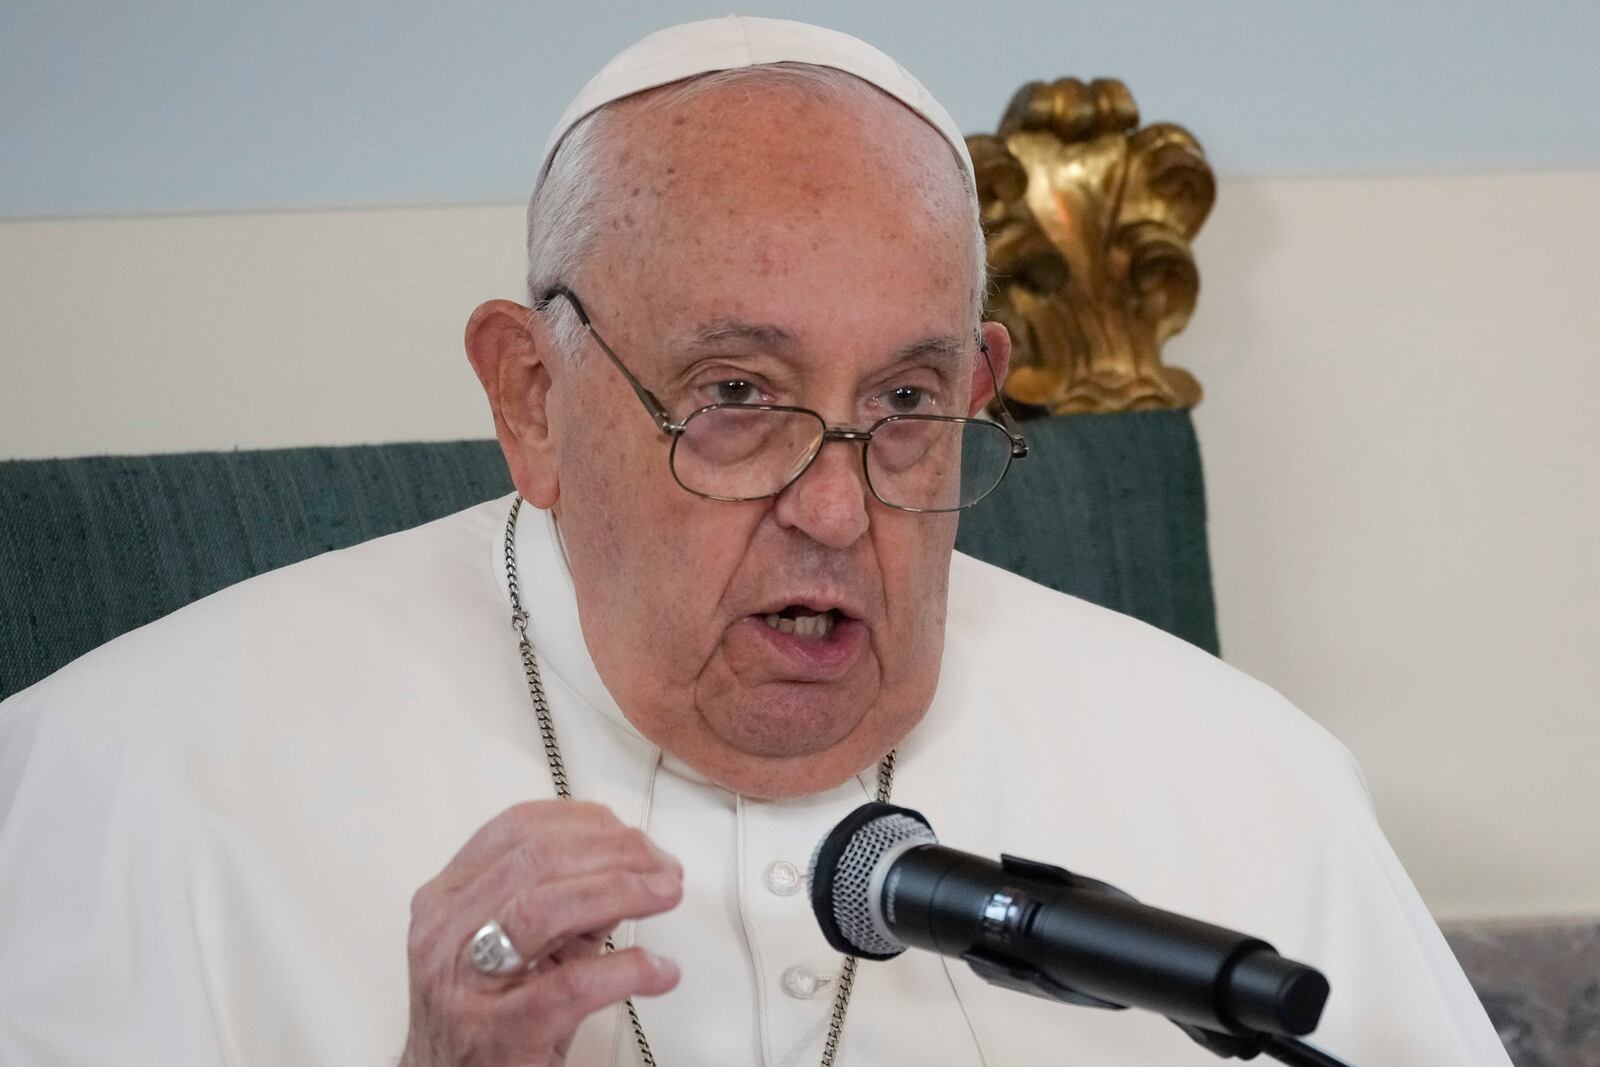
(608, 495)
(680, 563)
(605, 488)
(915, 556)
(657, 557)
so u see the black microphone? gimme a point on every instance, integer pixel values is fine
(880, 882)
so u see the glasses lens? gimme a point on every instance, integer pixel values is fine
(737, 452)
(932, 464)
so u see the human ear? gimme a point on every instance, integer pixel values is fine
(998, 344)
(511, 353)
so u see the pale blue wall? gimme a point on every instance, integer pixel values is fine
(110, 108)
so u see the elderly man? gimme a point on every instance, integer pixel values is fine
(722, 612)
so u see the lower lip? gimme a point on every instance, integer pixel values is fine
(812, 659)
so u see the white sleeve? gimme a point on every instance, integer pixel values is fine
(100, 963)
(1399, 996)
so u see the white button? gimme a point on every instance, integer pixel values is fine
(802, 982)
(783, 878)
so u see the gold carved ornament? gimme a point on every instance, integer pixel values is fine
(1088, 220)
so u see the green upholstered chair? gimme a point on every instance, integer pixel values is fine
(1108, 507)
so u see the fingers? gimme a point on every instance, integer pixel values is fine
(579, 948)
(546, 891)
(539, 827)
(558, 877)
(550, 873)
(552, 853)
(544, 917)
(571, 992)
(534, 1021)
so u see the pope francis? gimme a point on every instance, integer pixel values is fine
(390, 804)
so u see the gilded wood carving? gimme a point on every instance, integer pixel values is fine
(1089, 220)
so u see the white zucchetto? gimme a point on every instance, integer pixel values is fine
(735, 41)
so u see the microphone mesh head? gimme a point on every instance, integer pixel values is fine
(852, 879)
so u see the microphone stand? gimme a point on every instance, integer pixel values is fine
(1294, 1051)
(1278, 1047)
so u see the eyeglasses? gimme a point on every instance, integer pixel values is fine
(739, 452)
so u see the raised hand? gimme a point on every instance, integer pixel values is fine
(557, 876)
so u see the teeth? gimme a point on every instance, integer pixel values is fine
(804, 626)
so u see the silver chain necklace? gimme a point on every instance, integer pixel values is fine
(558, 777)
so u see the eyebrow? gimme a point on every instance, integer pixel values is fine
(760, 335)
(947, 350)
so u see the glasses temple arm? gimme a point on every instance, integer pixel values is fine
(1019, 444)
(657, 410)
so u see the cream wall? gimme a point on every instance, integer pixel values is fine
(160, 334)
(1403, 481)
(1403, 475)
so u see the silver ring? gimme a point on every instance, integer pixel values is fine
(492, 952)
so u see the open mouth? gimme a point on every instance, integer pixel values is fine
(801, 621)
(803, 641)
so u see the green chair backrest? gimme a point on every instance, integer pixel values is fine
(1109, 507)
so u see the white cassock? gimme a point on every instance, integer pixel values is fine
(211, 828)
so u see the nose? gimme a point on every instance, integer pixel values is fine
(828, 503)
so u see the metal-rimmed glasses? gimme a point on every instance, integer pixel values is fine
(740, 452)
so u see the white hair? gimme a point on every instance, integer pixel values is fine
(567, 208)
(564, 215)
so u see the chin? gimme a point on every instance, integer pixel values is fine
(790, 725)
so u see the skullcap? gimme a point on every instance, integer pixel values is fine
(736, 41)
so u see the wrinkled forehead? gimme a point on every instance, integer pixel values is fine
(769, 195)
(736, 42)
(773, 130)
